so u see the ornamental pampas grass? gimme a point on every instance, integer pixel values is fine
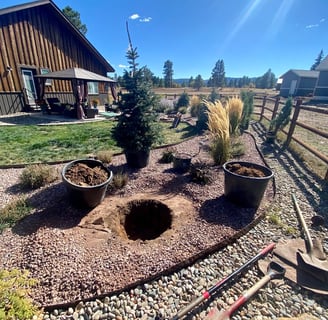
(236, 106)
(218, 124)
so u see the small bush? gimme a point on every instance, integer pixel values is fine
(248, 99)
(105, 156)
(120, 179)
(37, 175)
(183, 101)
(200, 173)
(13, 212)
(167, 155)
(14, 290)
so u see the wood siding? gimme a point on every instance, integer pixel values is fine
(40, 37)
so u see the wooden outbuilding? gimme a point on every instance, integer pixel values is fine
(37, 38)
(321, 88)
(298, 83)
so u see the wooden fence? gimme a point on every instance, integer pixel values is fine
(317, 116)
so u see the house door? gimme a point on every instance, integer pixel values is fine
(29, 86)
(292, 88)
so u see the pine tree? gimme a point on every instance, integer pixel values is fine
(317, 61)
(168, 74)
(217, 78)
(75, 19)
(137, 129)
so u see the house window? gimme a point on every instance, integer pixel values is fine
(45, 71)
(93, 88)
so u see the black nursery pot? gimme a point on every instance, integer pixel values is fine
(86, 196)
(181, 162)
(246, 191)
(137, 159)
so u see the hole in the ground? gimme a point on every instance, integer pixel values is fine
(147, 219)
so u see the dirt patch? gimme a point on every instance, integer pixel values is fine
(81, 174)
(245, 171)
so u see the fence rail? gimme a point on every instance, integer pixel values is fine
(316, 118)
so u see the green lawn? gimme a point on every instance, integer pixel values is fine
(22, 144)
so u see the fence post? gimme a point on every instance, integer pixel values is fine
(263, 106)
(293, 122)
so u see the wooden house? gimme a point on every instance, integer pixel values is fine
(321, 88)
(37, 38)
(298, 83)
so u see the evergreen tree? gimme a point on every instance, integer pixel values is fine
(317, 61)
(217, 78)
(75, 19)
(198, 83)
(267, 81)
(137, 129)
(168, 74)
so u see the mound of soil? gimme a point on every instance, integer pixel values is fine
(245, 171)
(82, 175)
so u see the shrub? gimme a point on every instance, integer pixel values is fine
(14, 290)
(248, 99)
(13, 212)
(167, 155)
(183, 101)
(37, 175)
(200, 173)
(218, 124)
(235, 107)
(105, 156)
(202, 120)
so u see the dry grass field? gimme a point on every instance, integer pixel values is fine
(315, 120)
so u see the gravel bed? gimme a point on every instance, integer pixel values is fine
(163, 297)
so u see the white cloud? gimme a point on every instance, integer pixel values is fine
(134, 16)
(310, 26)
(322, 20)
(145, 19)
(122, 66)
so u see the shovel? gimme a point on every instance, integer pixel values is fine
(275, 271)
(220, 284)
(314, 260)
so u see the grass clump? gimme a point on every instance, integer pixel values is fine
(14, 301)
(104, 156)
(13, 212)
(218, 124)
(235, 107)
(120, 179)
(35, 176)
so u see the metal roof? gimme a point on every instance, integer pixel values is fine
(75, 73)
(303, 73)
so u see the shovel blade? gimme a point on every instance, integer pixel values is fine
(309, 263)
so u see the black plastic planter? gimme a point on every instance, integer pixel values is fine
(137, 159)
(86, 196)
(181, 162)
(246, 191)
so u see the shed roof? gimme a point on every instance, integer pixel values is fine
(303, 73)
(61, 16)
(323, 65)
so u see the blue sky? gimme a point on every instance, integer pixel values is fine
(250, 36)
